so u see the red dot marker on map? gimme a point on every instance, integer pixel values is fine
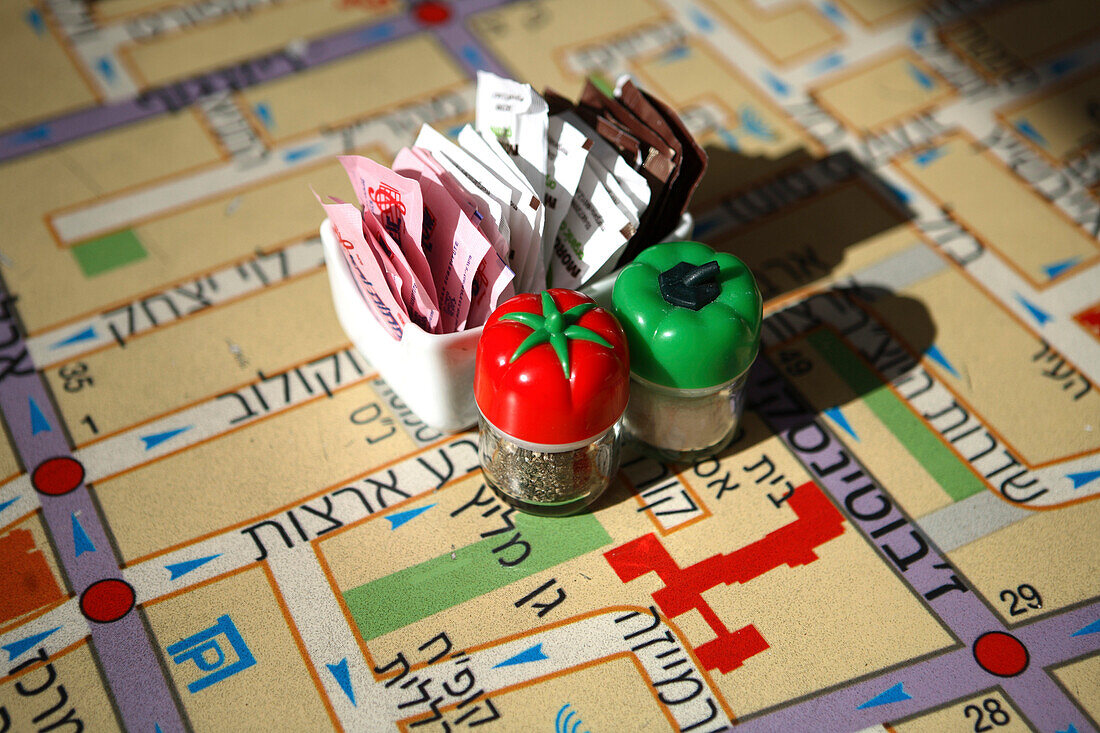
(432, 13)
(57, 476)
(107, 600)
(1001, 654)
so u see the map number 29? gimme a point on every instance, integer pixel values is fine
(1024, 597)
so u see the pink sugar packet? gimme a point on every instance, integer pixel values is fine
(396, 202)
(455, 243)
(419, 299)
(420, 161)
(367, 273)
(455, 247)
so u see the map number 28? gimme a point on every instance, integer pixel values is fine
(1021, 599)
(991, 709)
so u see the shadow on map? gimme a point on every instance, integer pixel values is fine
(811, 241)
(840, 330)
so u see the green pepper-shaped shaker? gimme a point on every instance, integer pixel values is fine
(692, 322)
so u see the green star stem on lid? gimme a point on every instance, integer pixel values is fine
(555, 328)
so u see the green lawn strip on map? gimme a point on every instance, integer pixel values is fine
(108, 252)
(397, 600)
(953, 476)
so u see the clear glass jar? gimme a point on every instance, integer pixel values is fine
(550, 480)
(684, 425)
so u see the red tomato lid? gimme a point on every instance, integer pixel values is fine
(552, 368)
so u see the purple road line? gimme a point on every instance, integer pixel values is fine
(134, 676)
(1050, 641)
(180, 95)
(460, 42)
(953, 676)
(928, 573)
(929, 684)
(74, 126)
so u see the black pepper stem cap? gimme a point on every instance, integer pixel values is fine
(690, 286)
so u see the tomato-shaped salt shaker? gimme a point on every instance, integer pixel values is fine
(692, 319)
(551, 383)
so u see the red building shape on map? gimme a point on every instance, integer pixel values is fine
(792, 544)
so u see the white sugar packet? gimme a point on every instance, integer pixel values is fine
(632, 181)
(591, 238)
(488, 150)
(567, 150)
(469, 174)
(518, 116)
(478, 209)
(518, 212)
(618, 194)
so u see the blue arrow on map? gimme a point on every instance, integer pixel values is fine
(35, 21)
(32, 135)
(15, 648)
(263, 112)
(179, 569)
(896, 693)
(902, 195)
(104, 67)
(838, 417)
(81, 541)
(39, 423)
(1055, 269)
(152, 441)
(1036, 312)
(777, 84)
(86, 335)
(343, 678)
(1085, 477)
(924, 80)
(832, 12)
(473, 56)
(701, 21)
(1071, 728)
(754, 124)
(925, 157)
(292, 156)
(937, 356)
(1064, 64)
(1028, 130)
(675, 54)
(1093, 628)
(376, 33)
(533, 654)
(831, 61)
(396, 520)
(916, 36)
(8, 503)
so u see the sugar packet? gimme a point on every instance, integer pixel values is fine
(516, 115)
(366, 272)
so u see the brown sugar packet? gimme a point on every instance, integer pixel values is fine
(627, 145)
(659, 158)
(693, 164)
(667, 214)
